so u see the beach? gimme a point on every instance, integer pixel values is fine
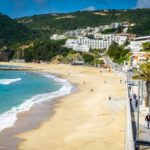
(85, 119)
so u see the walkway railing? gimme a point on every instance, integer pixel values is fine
(129, 145)
(129, 138)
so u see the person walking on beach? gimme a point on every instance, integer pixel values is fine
(147, 119)
(120, 81)
(109, 98)
(91, 90)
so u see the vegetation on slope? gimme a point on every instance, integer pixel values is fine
(146, 47)
(12, 32)
(117, 53)
(83, 19)
(54, 52)
(28, 37)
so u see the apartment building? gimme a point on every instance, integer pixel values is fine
(137, 44)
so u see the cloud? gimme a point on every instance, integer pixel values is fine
(143, 4)
(90, 8)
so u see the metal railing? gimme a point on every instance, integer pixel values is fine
(129, 145)
(129, 138)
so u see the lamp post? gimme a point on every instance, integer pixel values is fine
(142, 93)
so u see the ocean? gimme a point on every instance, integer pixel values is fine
(20, 90)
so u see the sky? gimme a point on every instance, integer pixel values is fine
(20, 8)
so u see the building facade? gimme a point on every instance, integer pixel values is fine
(137, 44)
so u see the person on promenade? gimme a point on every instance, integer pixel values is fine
(136, 103)
(134, 96)
(147, 119)
(130, 88)
(130, 99)
(135, 100)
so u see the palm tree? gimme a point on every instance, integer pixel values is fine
(144, 74)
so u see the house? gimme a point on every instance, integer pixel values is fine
(137, 44)
(77, 62)
(138, 57)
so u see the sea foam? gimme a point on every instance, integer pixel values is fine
(9, 118)
(9, 81)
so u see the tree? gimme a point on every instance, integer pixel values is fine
(117, 53)
(88, 57)
(144, 74)
(146, 46)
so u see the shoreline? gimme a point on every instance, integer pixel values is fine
(65, 89)
(28, 121)
(9, 133)
(83, 116)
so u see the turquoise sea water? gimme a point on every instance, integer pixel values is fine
(20, 90)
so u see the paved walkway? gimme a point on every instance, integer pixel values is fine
(144, 133)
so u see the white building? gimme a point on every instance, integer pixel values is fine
(84, 43)
(70, 43)
(94, 44)
(57, 37)
(120, 39)
(116, 25)
(73, 44)
(81, 48)
(137, 44)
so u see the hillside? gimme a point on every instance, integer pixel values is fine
(42, 26)
(19, 35)
(62, 22)
(12, 32)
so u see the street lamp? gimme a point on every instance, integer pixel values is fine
(142, 93)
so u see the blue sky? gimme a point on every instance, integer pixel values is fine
(19, 8)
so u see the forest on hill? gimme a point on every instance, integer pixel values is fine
(22, 30)
(13, 32)
(53, 23)
(28, 37)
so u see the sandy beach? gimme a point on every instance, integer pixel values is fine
(83, 120)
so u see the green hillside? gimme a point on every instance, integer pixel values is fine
(12, 32)
(20, 35)
(42, 26)
(62, 22)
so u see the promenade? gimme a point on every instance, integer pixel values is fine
(139, 112)
(140, 133)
